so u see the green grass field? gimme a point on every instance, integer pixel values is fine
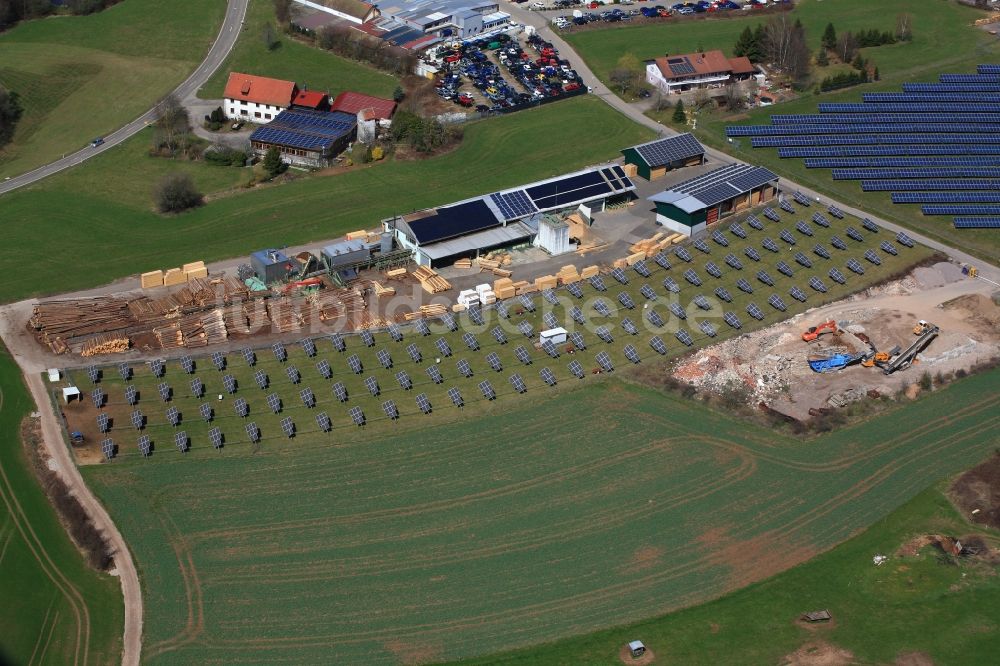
(56, 610)
(65, 217)
(84, 76)
(605, 505)
(944, 41)
(949, 613)
(317, 69)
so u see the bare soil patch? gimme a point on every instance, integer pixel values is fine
(414, 653)
(977, 493)
(913, 659)
(645, 557)
(819, 653)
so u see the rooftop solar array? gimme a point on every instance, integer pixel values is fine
(513, 205)
(579, 187)
(662, 152)
(306, 129)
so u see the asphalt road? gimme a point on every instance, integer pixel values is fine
(235, 12)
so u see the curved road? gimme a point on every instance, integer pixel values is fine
(235, 12)
(544, 28)
(51, 428)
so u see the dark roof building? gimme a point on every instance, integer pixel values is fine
(306, 137)
(354, 11)
(654, 158)
(692, 205)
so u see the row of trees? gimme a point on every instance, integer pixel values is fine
(780, 42)
(10, 112)
(12, 11)
(350, 43)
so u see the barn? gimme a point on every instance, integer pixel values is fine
(306, 137)
(690, 206)
(654, 158)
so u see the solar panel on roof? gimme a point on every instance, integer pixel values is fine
(206, 411)
(253, 432)
(449, 321)
(513, 205)
(626, 301)
(692, 277)
(527, 302)
(723, 294)
(145, 446)
(475, 315)
(786, 236)
(701, 302)
(576, 369)
(707, 329)
(838, 243)
(549, 320)
(574, 289)
(522, 355)
(903, 239)
(629, 326)
(229, 382)
(731, 319)
(274, 403)
(157, 367)
(124, 371)
(108, 448)
(734, 262)
(837, 276)
(682, 254)
(755, 312)
(249, 356)
(372, 385)
(604, 333)
(678, 310)
(777, 303)
(641, 268)
(261, 378)
(340, 391)
(755, 222)
(602, 308)
(817, 284)
(357, 416)
(797, 294)
(293, 374)
(131, 395)
(713, 270)
(684, 337)
(389, 407)
(654, 318)
(669, 150)
(647, 292)
(550, 349)
(768, 244)
(701, 246)
(308, 397)
(770, 214)
(423, 403)
(671, 285)
(662, 261)
(173, 416)
(872, 257)
(764, 277)
(784, 269)
(598, 283)
(518, 383)
(604, 360)
(443, 347)
(494, 360)
(854, 266)
(97, 396)
(487, 389)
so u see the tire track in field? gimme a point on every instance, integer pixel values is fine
(702, 486)
(194, 625)
(41, 633)
(81, 648)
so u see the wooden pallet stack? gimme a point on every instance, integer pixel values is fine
(431, 281)
(546, 282)
(568, 274)
(589, 272)
(105, 343)
(504, 288)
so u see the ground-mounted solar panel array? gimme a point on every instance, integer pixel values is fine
(676, 313)
(931, 143)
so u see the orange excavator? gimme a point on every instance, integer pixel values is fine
(814, 332)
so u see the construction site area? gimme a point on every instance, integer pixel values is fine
(857, 348)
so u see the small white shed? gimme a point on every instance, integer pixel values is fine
(71, 393)
(53, 374)
(636, 649)
(554, 335)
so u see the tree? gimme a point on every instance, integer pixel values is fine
(821, 59)
(10, 112)
(904, 27)
(744, 43)
(398, 94)
(875, 75)
(283, 11)
(627, 74)
(829, 39)
(172, 130)
(679, 116)
(847, 47)
(786, 46)
(270, 37)
(858, 63)
(660, 102)
(176, 193)
(273, 165)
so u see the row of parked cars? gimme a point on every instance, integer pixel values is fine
(542, 74)
(659, 11)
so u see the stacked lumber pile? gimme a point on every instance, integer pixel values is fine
(381, 290)
(546, 282)
(463, 263)
(647, 246)
(524, 287)
(591, 247)
(203, 328)
(589, 272)
(169, 336)
(619, 263)
(106, 343)
(432, 310)
(504, 288)
(568, 274)
(396, 274)
(365, 320)
(285, 315)
(62, 322)
(431, 281)
(333, 303)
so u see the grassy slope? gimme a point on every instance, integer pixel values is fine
(450, 542)
(948, 612)
(63, 217)
(42, 575)
(81, 77)
(944, 41)
(317, 69)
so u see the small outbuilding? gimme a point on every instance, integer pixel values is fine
(271, 265)
(345, 253)
(53, 374)
(71, 393)
(636, 649)
(654, 158)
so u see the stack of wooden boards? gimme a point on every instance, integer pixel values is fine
(173, 276)
(463, 263)
(382, 290)
(431, 281)
(432, 310)
(66, 322)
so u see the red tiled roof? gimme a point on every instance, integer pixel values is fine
(310, 98)
(259, 89)
(352, 102)
(741, 65)
(697, 64)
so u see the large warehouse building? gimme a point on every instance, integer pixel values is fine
(654, 158)
(692, 205)
(509, 218)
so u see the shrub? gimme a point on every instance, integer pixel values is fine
(176, 193)
(679, 115)
(10, 113)
(926, 381)
(272, 162)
